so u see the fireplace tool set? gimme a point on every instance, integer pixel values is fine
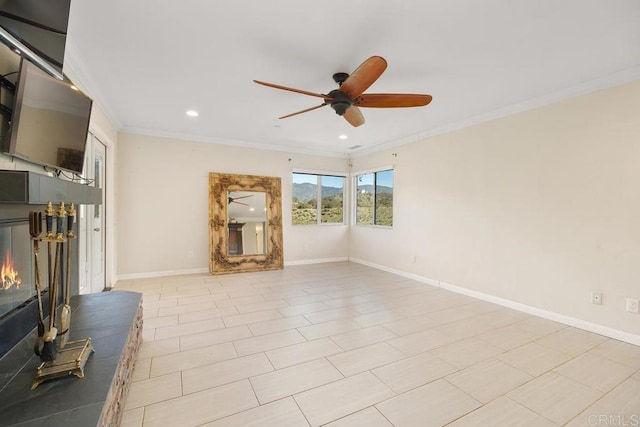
(60, 357)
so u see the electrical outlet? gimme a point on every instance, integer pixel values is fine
(632, 305)
(596, 298)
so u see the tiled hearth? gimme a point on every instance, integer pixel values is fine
(113, 321)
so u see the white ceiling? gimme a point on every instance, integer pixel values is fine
(146, 62)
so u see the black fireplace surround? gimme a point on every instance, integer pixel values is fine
(20, 193)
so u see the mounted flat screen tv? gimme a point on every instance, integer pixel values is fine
(38, 28)
(50, 121)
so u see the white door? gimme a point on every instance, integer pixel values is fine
(96, 220)
(82, 235)
(91, 223)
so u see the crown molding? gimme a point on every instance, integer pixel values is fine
(609, 81)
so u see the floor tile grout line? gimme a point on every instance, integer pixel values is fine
(300, 409)
(570, 354)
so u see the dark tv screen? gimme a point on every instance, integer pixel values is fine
(50, 120)
(38, 28)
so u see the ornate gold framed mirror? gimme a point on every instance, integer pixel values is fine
(245, 223)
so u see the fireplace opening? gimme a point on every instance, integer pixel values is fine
(16, 281)
(18, 302)
(9, 277)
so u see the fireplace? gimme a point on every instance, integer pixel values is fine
(16, 279)
(17, 282)
(20, 193)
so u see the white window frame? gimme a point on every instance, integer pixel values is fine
(354, 196)
(345, 197)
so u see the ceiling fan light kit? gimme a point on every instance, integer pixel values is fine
(350, 94)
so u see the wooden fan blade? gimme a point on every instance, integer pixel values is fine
(302, 111)
(290, 89)
(364, 76)
(243, 197)
(392, 100)
(354, 116)
(240, 203)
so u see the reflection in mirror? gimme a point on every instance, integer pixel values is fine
(246, 218)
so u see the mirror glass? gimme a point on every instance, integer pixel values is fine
(246, 219)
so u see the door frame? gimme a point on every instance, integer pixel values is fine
(108, 207)
(97, 248)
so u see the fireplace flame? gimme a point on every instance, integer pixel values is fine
(9, 275)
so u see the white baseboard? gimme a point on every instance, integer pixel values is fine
(412, 276)
(315, 261)
(546, 314)
(151, 274)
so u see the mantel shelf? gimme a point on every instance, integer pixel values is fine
(24, 187)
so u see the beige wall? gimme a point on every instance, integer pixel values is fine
(162, 211)
(539, 208)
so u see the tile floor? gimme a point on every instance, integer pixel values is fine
(343, 344)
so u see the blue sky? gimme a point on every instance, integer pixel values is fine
(299, 178)
(327, 181)
(385, 178)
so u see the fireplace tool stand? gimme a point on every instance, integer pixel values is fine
(70, 361)
(72, 356)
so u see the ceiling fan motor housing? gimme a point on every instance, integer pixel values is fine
(341, 101)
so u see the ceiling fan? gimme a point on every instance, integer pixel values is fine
(349, 96)
(234, 199)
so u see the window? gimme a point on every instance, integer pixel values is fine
(308, 189)
(374, 199)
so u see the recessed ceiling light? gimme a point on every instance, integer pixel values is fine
(252, 209)
(74, 87)
(343, 136)
(192, 113)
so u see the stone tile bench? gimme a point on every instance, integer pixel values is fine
(113, 320)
